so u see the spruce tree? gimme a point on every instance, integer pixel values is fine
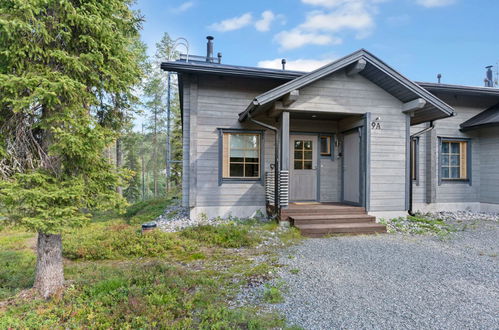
(61, 62)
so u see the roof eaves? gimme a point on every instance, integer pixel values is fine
(460, 88)
(486, 118)
(414, 87)
(221, 69)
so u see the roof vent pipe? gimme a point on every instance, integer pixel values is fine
(489, 81)
(219, 55)
(209, 49)
(439, 76)
(283, 62)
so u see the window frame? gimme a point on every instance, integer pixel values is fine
(468, 178)
(221, 178)
(331, 145)
(415, 158)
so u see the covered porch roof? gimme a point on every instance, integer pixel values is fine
(487, 118)
(423, 105)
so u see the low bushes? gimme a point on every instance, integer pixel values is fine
(419, 225)
(117, 240)
(141, 295)
(227, 235)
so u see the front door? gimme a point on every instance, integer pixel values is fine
(303, 172)
(351, 167)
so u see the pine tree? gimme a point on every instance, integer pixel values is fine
(131, 145)
(61, 62)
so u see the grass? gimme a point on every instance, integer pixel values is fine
(272, 294)
(119, 278)
(419, 225)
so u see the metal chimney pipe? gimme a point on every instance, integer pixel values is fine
(209, 49)
(439, 76)
(219, 55)
(283, 62)
(489, 81)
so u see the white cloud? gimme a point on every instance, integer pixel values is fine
(183, 7)
(326, 24)
(297, 65)
(263, 24)
(324, 3)
(232, 24)
(435, 3)
(297, 38)
(351, 16)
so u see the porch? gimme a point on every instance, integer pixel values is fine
(322, 174)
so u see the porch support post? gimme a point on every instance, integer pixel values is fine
(285, 140)
(284, 173)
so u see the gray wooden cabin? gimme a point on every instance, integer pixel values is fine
(354, 134)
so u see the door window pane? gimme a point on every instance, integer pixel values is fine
(303, 155)
(307, 145)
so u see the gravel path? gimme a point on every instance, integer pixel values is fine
(394, 281)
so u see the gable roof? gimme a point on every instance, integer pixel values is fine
(486, 118)
(376, 71)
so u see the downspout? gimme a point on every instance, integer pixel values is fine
(276, 160)
(427, 129)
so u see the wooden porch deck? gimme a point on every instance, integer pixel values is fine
(319, 219)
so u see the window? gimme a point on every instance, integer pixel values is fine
(454, 160)
(414, 158)
(303, 157)
(241, 155)
(325, 144)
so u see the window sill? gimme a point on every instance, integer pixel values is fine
(241, 181)
(456, 181)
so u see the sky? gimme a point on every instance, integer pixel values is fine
(418, 38)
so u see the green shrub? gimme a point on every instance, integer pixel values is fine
(272, 294)
(146, 211)
(120, 241)
(17, 269)
(138, 295)
(419, 225)
(226, 235)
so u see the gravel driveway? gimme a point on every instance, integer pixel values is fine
(394, 281)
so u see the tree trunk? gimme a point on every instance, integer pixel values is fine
(49, 276)
(119, 157)
(155, 154)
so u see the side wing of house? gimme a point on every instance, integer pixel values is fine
(454, 168)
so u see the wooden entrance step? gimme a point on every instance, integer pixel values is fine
(320, 230)
(320, 219)
(331, 219)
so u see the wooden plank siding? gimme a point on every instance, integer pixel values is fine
(489, 165)
(215, 103)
